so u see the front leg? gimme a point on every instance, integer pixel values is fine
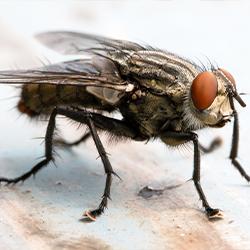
(235, 143)
(185, 137)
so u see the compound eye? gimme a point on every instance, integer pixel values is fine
(228, 76)
(204, 90)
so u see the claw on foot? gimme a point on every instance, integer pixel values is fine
(214, 214)
(89, 215)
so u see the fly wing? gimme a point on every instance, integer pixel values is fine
(66, 42)
(99, 76)
(155, 69)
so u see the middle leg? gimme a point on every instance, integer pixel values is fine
(65, 144)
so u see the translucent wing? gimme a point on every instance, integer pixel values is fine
(99, 75)
(141, 64)
(66, 42)
(154, 69)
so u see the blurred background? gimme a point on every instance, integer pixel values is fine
(43, 213)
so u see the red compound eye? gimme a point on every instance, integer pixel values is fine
(204, 90)
(228, 76)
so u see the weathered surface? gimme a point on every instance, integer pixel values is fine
(44, 213)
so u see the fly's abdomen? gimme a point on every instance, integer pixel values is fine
(35, 99)
(40, 99)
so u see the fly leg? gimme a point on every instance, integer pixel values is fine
(114, 126)
(185, 137)
(214, 144)
(97, 121)
(65, 144)
(48, 154)
(235, 144)
(108, 170)
(211, 212)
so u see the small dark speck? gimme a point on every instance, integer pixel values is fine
(148, 192)
(27, 191)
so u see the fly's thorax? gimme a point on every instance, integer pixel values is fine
(148, 112)
(216, 97)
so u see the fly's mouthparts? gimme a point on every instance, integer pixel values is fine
(227, 120)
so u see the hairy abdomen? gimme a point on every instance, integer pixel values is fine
(40, 99)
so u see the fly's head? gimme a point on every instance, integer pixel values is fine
(209, 102)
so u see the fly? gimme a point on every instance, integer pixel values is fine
(158, 94)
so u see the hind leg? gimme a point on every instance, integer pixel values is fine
(48, 154)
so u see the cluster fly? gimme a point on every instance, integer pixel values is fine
(158, 94)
